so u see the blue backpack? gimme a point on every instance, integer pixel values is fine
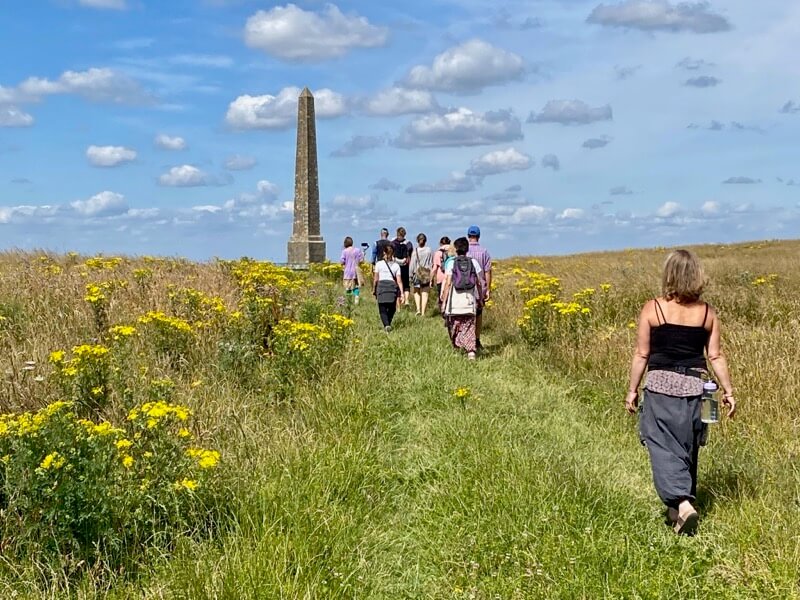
(465, 278)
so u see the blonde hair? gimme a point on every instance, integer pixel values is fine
(683, 279)
(451, 250)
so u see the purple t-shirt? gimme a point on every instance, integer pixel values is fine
(351, 258)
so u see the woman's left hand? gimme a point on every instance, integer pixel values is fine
(729, 401)
(632, 402)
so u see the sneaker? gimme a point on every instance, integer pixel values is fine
(471, 355)
(388, 328)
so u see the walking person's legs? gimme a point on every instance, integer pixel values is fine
(424, 293)
(386, 310)
(417, 300)
(669, 432)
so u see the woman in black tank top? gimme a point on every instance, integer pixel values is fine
(676, 334)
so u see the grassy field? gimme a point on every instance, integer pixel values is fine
(394, 468)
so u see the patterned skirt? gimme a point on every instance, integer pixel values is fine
(462, 332)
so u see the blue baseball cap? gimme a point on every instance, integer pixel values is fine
(474, 231)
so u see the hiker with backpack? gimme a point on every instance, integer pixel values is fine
(387, 287)
(437, 272)
(380, 246)
(462, 295)
(480, 254)
(420, 269)
(402, 256)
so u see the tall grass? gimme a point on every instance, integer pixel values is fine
(403, 471)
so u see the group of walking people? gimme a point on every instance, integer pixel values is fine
(678, 338)
(457, 273)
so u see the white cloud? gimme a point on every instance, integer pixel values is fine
(468, 67)
(711, 208)
(499, 161)
(660, 15)
(109, 156)
(96, 85)
(9, 214)
(112, 4)
(280, 111)
(571, 112)
(457, 182)
(166, 142)
(668, 210)
(571, 214)
(530, 213)
(400, 101)
(11, 116)
(460, 127)
(291, 33)
(103, 204)
(267, 189)
(184, 176)
(238, 162)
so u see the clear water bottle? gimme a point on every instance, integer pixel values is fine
(709, 404)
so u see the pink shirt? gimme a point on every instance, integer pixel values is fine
(438, 266)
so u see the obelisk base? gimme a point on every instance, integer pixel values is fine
(304, 252)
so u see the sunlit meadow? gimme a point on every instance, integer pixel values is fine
(234, 429)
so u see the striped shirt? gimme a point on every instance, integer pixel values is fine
(481, 254)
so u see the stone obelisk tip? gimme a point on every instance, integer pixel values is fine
(306, 93)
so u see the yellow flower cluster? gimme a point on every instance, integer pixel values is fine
(584, 295)
(765, 280)
(300, 336)
(102, 263)
(96, 293)
(570, 308)
(165, 321)
(533, 281)
(54, 460)
(461, 393)
(258, 276)
(119, 332)
(206, 459)
(152, 413)
(29, 423)
(540, 300)
(85, 355)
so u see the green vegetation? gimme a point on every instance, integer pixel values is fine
(399, 470)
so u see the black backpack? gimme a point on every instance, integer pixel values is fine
(400, 249)
(464, 275)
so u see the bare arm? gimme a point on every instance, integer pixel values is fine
(446, 287)
(640, 357)
(374, 282)
(488, 283)
(719, 365)
(399, 281)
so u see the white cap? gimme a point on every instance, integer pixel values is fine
(710, 385)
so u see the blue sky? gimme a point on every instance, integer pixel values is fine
(151, 127)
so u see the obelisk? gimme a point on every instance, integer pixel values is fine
(306, 244)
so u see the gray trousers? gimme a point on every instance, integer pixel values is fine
(671, 430)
